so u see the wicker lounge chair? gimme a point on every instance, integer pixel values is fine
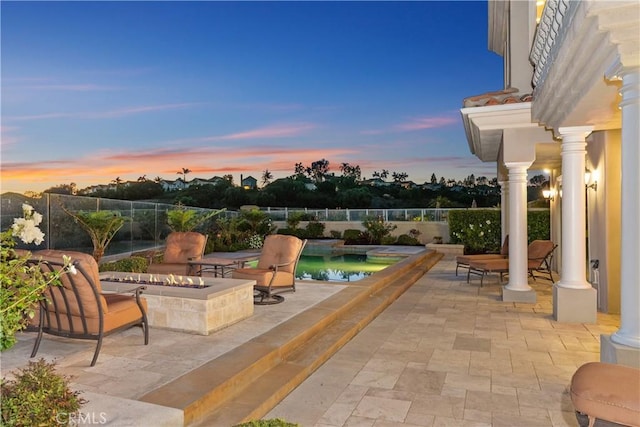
(275, 272)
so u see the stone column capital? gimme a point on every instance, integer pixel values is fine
(574, 133)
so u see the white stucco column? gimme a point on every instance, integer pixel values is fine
(504, 208)
(624, 347)
(575, 300)
(518, 288)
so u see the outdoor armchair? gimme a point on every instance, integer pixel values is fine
(275, 272)
(182, 247)
(79, 309)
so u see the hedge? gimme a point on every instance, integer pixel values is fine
(480, 230)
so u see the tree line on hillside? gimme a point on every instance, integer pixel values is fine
(313, 186)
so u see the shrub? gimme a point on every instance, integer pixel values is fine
(257, 222)
(38, 396)
(478, 229)
(134, 264)
(352, 236)
(184, 219)
(335, 234)
(294, 219)
(314, 230)
(406, 240)
(298, 232)
(377, 229)
(538, 225)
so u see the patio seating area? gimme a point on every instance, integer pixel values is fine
(444, 353)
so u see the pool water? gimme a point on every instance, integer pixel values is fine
(338, 267)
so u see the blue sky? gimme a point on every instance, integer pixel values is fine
(92, 91)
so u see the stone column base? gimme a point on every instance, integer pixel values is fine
(518, 296)
(611, 352)
(575, 305)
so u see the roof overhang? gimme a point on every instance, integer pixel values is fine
(484, 128)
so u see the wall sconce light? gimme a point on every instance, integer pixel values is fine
(548, 194)
(587, 180)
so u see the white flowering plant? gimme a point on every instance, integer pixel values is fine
(479, 230)
(255, 241)
(22, 283)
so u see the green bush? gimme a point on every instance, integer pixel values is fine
(352, 236)
(377, 229)
(538, 225)
(314, 230)
(406, 240)
(134, 264)
(298, 232)
(293, 220)
(480, 229)
(335, 234)
(182, 218)
(38, 396)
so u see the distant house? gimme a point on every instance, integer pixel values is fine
(178, 184)
(248, 183)
(376, 182)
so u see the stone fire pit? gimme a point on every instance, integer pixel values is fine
(200, 306)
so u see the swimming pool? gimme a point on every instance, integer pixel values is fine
(342, 263)
(337, 268)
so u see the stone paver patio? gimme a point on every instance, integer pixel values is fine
(446, 353)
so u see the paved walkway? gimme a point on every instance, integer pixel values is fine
(447, 353)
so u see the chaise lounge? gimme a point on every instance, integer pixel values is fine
(464, 260)
(539, 254)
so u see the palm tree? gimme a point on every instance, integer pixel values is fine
(117, 182)
(267, 176)
(142, 178)
(184, 173)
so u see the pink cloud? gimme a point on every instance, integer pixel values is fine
(427, 123)
(128, 111)
(276, 131)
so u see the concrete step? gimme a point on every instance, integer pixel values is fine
(250, 380)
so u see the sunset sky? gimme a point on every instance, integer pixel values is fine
(92, 91)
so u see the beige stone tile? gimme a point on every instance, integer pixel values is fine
(468, 382)
(381, 408)
(420, 381)
(493, 402)
(437, 405)
(563, 419)
(337, 414)
(376, 379)
(359, 422)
